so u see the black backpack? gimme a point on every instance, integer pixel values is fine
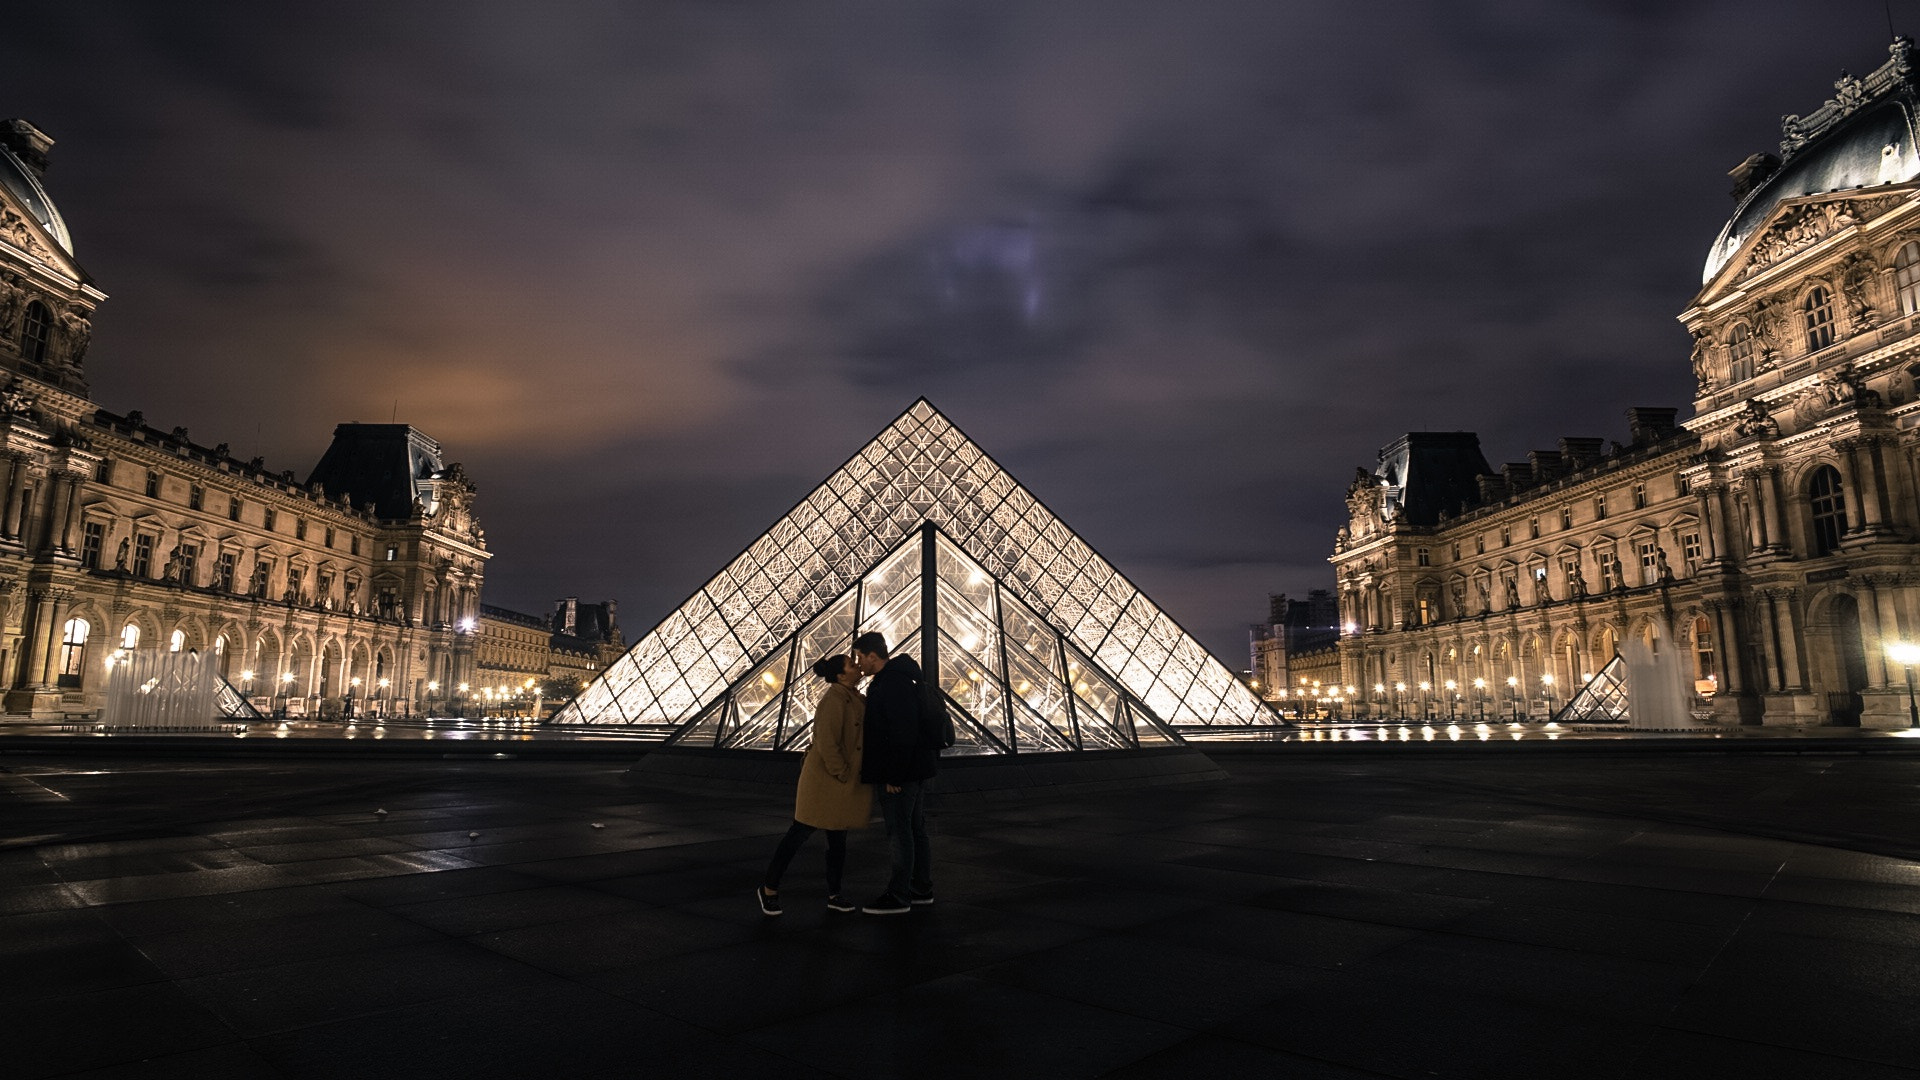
(935, 721)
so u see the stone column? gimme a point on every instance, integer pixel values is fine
(47, 623)
(57, 514)
(1850, 484)
(1756, 501)
(1871, 624)
(1727, 648)
(72, 518)
(16, 497)
(1872, 486)
(1790, 650)
(1713, 518)
(1776, 525)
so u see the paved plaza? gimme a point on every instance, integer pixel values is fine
(1563, 912)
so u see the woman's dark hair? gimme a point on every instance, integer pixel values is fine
(830, 667)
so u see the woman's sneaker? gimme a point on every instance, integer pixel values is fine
(769, 902)
(920, 899)
(887, 904)
(840, 903)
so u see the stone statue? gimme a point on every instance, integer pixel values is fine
(79, 335)
(120, 559)
(1855, 275)
(1660, 561)
(172, 569)
(1755, 423)
(1513, 593)
(1703, 360)
(12, 299)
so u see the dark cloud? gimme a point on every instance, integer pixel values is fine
(651, 270)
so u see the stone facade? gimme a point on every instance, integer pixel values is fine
(355, 589)
(1771, 538)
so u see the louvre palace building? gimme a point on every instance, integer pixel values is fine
(1771, 539)
(354, 591)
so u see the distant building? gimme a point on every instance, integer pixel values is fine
(1295, 653)
(1770, 540)
(528, 665)
(585, 639)
(350, 586)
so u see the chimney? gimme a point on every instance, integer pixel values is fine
(1518, 474)
(28, 143)
(1492, 489)
(1646, 425)
(1547, 464)
(1580, 453)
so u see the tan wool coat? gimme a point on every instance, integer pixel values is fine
(831, 795)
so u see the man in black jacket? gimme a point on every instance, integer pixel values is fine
(902, 753)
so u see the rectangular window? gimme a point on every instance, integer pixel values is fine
(262, 570)
(323, 591)
(270, 518)
(1480, 544)
(233, 508)
(1426, 612)
(329, 536)
(1606, 570)
(223, 571)
(392, 553)
(1506, 536)
(1456, 551)
(189, 559)
(1639, 496)
(354, 543)
(1566, 517)
(296, 576)
(196, 495)
(1533, 527)
(93, 538)
(1423, 557)
(1570, 572)
(299, 528)
(153, 484)
(104, 473)
(1600, 507)
(1690, 549)
(142, 555)
(1649, 563)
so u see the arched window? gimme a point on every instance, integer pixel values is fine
(34, 329)
(1740, 353)
(1829, 505)
(1818, 310)
(1906, 276)
(73, 650)
(177, 641)
(130, 636)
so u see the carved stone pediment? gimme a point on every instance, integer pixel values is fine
(1797, 227)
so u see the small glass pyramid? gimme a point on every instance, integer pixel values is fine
(1040, 645)
(1603, 700)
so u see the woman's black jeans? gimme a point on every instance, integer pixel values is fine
(790, 845)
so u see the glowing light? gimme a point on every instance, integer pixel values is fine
(1904, 653)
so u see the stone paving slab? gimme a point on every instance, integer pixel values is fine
(1586, 915)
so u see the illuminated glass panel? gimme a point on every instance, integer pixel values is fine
(1012, 578)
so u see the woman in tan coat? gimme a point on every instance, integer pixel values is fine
(831, 798)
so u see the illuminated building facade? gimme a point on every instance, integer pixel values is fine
(1039, 644)
(1770, 539)
(344, 592)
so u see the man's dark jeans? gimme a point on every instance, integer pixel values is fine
(905, 813)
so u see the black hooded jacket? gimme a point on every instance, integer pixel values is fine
(899, 748)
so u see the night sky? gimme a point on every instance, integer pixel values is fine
(651, 271)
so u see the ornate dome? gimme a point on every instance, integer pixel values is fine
(1863, 137)
(23, 184)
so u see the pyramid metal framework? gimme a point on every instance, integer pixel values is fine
(1040, 645)
(1603, 700)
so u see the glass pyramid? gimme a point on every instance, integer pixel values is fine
(1040, 645)
(1603, 700)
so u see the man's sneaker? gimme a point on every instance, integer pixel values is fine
(840, 903)
(921, 899)
(887, 904)
(769, 902)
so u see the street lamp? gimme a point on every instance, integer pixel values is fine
(1452, 697)
(1907, 655)
(380, 708)
(286, 693)
(352, 685)
(1399, 707)
(1380, 693)
(1546, 692)
(1513, 695)
(1426, 700)
(1480, 699)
